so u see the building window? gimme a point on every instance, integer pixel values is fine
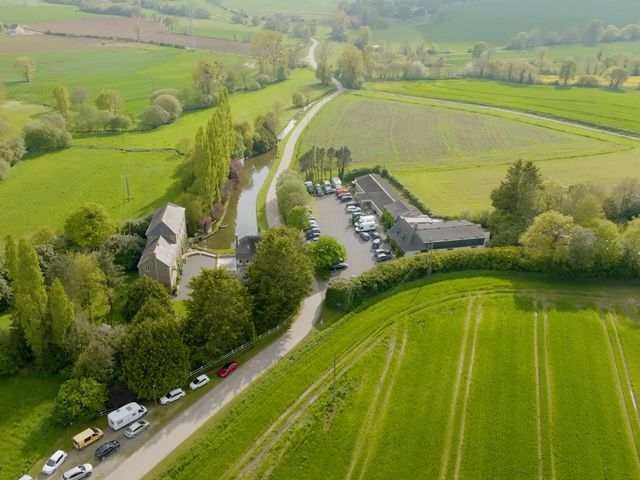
(239, 261)
(247, 262)
(147, 268)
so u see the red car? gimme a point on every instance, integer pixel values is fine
(227, 369)
(341, 190)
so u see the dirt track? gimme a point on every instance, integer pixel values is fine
(130, 28)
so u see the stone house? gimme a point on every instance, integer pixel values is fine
(166, 240)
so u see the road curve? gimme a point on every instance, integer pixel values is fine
(169, 437)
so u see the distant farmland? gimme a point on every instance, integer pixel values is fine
(453, 158)
(454, 378)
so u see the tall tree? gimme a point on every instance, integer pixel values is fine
(617, 77)
(326, 252)
(155, 359)
(343, 160)
(567, 70)
(27, 68)
(218, 314)
(63, 103)
(478, 50)
(518, 193)
(351, 66)
(109, 100)
(323, 72)
(60, 312)
(30, 299)
(207, 77)
(549, 236)
(278, 287)
(268, 48)
(88, 226)
(140, 291)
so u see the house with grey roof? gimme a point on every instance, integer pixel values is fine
(378, 195)
(166, 240)
(246, 248)
(422, 234)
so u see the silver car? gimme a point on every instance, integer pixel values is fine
(136, 428)
(76, 473)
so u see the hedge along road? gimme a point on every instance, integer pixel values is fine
(169, 437)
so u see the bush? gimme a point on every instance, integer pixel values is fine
(49, 133)
(170, 104)
(126, 250)
(263, 79)
(590, 81)
(4, 170)
(153, 117)
(298, 100)
(164, 91)
(282, 73)
(79, 400)
(119, 123)
(255, 85)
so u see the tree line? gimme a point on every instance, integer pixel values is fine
(320, 163)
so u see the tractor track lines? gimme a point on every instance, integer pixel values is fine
(456, 389)
(369, 419)
(632, 393)
(619, 390)
(538, 394)
(547, 376)
(456, 473)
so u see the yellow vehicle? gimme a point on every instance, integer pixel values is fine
(87, 437)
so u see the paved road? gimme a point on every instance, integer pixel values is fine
(167, 439)
(273, 216)
(520, 113)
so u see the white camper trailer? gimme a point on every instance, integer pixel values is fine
(125, 415)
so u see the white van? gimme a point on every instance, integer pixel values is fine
(335, 181)
(366, 219)
(125, 415)
(366, 227)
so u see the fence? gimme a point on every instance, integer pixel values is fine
(241, 348)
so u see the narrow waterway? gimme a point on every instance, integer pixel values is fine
(241, 215)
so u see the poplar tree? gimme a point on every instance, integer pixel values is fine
(60, 313)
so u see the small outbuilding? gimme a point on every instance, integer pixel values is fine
(246, 249)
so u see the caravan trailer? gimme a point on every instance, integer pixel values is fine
(125, 415)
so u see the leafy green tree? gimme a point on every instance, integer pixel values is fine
(139, 292)
(88, 226)
(154, 309)
(218, 314)
(268, 48)
(326, 252)
(568, 69)
(88, 284)
(582, 249)
(298, 100)
(617, 77)
(207, 77)
(170, 104)
(323, 72)
(478, 50)
(154, 116)
(109, 100)
(60, 312)
(49, 132)
(155, 359)
(582, 204)
(518, 192)
(298, 217)
(79, 400)
(351, 67)
(278, 287)
(96, 361)
(549, 236)
(63, 103)
(27, 68)
(126, 250)
(631, 242)
(609, 246)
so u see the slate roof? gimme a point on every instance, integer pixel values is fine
(170, 215)
(401, 209)
(166, 252)
(248, 245)
(374, 188)
(418, 233)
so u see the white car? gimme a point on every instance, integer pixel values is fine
(353, 209)
(54, 462)
(172, 396)
(198, 382)
(76, 473)
(26, 477)
(136, 428)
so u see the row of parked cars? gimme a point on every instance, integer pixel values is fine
(326, 187)
(129, 416)
(366, 228)
(312, 232)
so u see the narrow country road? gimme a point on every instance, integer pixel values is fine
(168, 438)
(521, 113)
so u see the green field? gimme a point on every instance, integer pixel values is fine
(34, 11)
(44, 190)
(495, 21)
(610, 109)
(27, 430)
(453, 158)
(460, 376)
(283, 6)
(134, 70)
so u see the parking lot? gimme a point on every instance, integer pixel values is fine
(333, 221)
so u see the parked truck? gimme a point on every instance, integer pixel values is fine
(126, 414)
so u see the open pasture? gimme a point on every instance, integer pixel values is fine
(459, 376)
(26, 12)
(302, 7)
(453, 158)
(135, 70)
(43, 191)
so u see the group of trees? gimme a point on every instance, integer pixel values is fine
(11, 145)
(594, 33)
(320, 163)
(274, 58)
(292, 200)
(580, 227)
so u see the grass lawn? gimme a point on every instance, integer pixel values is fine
(440, 152)
(21, 113)
(34, 11)
(440, 378)
(44, 190)
(612, 109)
(134, 70)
